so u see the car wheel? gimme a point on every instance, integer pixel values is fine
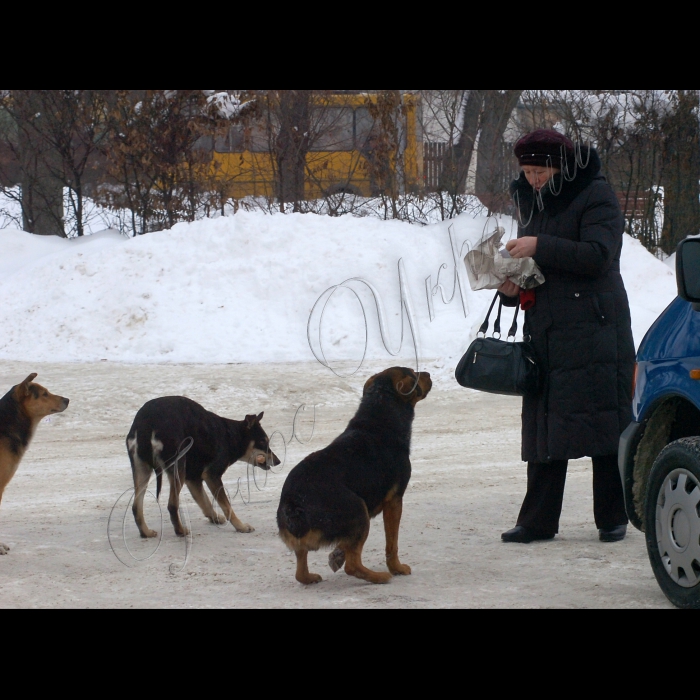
(672, 518)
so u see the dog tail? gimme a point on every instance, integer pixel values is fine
(159, 482)
(292, 518)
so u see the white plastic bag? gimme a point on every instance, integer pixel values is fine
(488, 269)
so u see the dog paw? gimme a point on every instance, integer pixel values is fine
(368, 575)
(244, 527)
(148, 533)
(183, 532)
(310, 578)
(218, 520)
(400, 569)
(4, 549)
(336, 559)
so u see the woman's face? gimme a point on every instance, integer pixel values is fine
(537, 175)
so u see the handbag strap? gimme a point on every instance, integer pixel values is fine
(514, 326)
(497, 323)
(485, 325)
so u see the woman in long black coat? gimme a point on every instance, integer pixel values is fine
(571, 223)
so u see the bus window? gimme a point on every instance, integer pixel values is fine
(257, 139)
(333, 127)
(204, 143)
(365, 129)
(364, 123)
(242, 137)
(232, 142)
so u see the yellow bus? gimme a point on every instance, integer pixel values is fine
(342, 156)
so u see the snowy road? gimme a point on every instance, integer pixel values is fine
(466, 489)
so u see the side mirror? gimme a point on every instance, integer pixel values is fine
(688, 271)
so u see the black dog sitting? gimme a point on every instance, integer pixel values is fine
(330, 496)
(161, 426)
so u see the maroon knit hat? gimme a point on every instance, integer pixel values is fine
(543, 147)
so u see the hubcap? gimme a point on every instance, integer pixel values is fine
(678, 527)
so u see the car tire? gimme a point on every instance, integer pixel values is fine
(672, 518)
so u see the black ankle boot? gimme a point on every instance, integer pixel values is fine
(524, 535)
(613, 534)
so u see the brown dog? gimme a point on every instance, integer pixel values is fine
(329, 498)
(21, 409)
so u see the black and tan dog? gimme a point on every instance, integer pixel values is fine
(21, 409)
(330, 496)
(160, 428)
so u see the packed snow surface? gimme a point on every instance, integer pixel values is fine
(242, 288)
(466, 487)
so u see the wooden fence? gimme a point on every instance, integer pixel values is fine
(433, 159)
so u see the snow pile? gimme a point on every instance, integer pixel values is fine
(227, 105)
(650, 284)
(19, 250)
(241, 289)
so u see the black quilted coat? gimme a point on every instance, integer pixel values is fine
(580, 323)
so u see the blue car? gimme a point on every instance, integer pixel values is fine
(660, 450)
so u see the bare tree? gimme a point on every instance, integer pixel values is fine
(292, 144)
(625, 127)
(491, 176)
(72, 126)
(474, 122)
(31, 162)
(155, 159)
(463, 128)
(681, 170)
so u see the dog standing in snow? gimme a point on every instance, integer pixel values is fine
(161, 426)
(21, 410)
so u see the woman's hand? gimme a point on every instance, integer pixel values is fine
(510, 289)
(524, 247)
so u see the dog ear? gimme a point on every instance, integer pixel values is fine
(251, 420)
(408, 387)
(259, 418)
(369, 383)
(420, 391)
(22, 390)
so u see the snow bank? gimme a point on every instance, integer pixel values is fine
(650, 284)
(241, 289)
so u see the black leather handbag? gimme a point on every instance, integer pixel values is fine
(500, 366)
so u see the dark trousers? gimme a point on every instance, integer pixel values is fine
(545, 492)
